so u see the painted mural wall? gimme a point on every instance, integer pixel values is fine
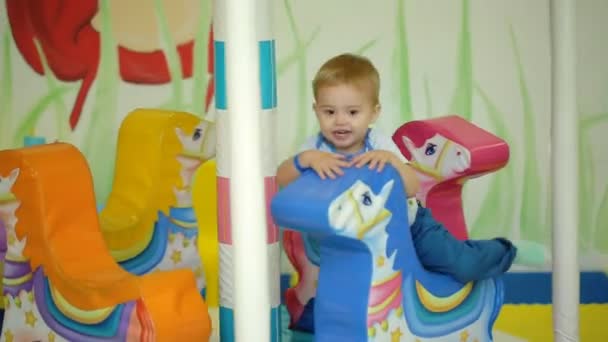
(73, 69)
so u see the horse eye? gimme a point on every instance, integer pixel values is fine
(197, 134)
(367, 199)
(430, 149)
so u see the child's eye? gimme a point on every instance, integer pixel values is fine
(330, 111)
(353, 112)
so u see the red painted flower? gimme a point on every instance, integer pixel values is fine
(68, 34)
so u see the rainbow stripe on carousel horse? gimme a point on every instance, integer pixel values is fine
(54, 318)
(174, 244)
(372, 286)
(60, 282)
(123, 322)
(149, 221)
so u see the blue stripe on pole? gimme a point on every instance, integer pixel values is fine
(268, 80)
(275, 324)
(220, 75)
(227, 324)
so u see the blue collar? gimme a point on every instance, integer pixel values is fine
(367, 145)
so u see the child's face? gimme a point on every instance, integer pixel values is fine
(345, 112)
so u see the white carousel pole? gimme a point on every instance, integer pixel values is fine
(564, 168)
(244, 267)
(245, 101)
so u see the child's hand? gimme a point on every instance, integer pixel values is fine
(326, 164)
(377, 159)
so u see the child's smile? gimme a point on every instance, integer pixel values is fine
(341, 134)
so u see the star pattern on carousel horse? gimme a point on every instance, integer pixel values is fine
(380, 261)
(8, 335)
(30, 318)
(198, 272)
(396, 335)
(176, 256)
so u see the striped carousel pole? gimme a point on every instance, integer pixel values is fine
(245, 101)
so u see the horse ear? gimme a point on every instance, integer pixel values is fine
(12, 177)
(386, 191)
(409, 144)
(411, 148)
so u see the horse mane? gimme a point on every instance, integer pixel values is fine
(144, 187)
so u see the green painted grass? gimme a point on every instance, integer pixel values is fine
(99, 144)
(61, 112)
(495, 216)
(593, 217)
(29, 121)
(585, 190)
(174, 63)
(428, 97)
(600, 237)
(200, 75)
(462, 98)
(402, 60)
(532, 217)
(301, 88)
(6, 90)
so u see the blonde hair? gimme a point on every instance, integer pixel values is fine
(348, 69)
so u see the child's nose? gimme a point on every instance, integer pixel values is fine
(341, 117)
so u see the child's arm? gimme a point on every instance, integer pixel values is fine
(408, 177)
(326, 164)
(471, 260)
(287, 172)
(391, 153)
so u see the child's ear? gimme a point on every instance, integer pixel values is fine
(377, 109)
